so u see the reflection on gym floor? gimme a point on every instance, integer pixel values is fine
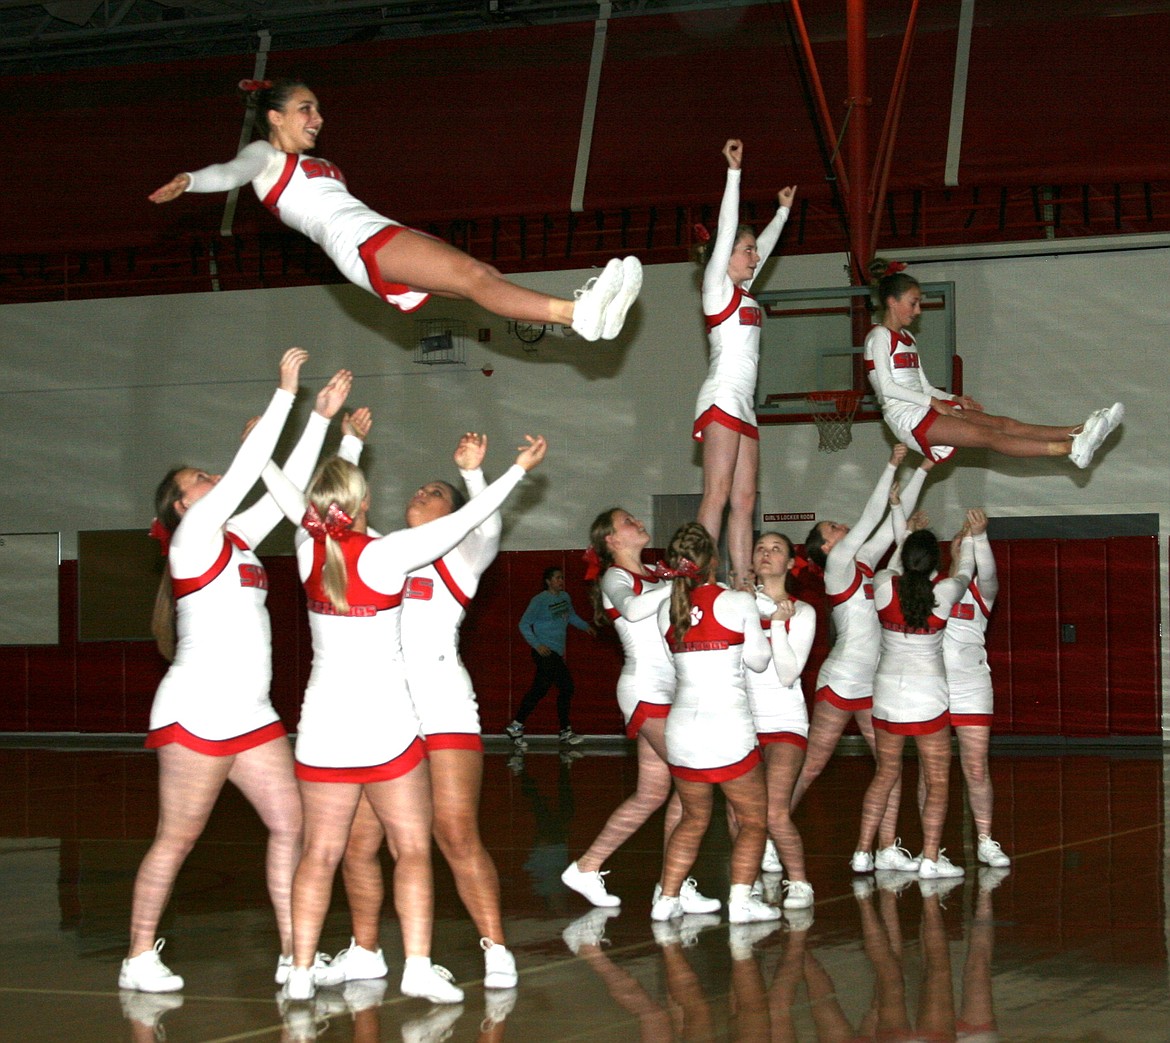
(1068, 944)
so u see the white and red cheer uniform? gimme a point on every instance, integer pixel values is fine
(910, 687)
(845, 679)
(435, 602)
(215, 697)
(308, 194)
(710, 732)
(734, 321)
(902, 390)
(358, 723)
(775, 695)
(964, 643)
(645, 687)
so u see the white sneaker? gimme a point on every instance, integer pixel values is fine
(665, 909)
(798, 894)
(771, 863)
(750, 910)
(358, 964)
(326, 971)
(897, 858)
(594, 298)
(499, 966)
(588, 929)
(690, 898)
(861, 862)
(940, 867)
(429, 981)
(1093, 432)
(991, 854)
(589, 885)
(615, 313)
(515, 732)
(299, 1020)
(147, 973)
(299, 984)
(435, 1025)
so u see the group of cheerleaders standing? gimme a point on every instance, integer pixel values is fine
(388, 745)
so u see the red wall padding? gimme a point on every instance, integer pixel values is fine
(1105, 683)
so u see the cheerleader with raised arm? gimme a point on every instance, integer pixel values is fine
(725, 415)
(395, 263)
(359, 733)
(844, 688)
(212, 720)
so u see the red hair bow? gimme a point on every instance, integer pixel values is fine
(802, 564)
(702, 233)
(592, 565)
(160, 532)
(894, 267)
(336, 524)
(685, 569)
(251, 86)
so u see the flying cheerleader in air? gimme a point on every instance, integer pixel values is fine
(398, 264)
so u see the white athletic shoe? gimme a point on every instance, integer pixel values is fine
(589, 885)
(299, 984)
(358, 964)
(326, 971)
(594, 298)
(1093, 432)
(940, 867)
(147, 973)
(615, 313)
(897, 858)
(499, 966)
(750, 910)
(665, 909)
(429, 981)
(991, 854)
(771, 863)
(798, 894)
(861, 862)
(690, 898)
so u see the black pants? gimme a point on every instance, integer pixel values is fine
(550, 670)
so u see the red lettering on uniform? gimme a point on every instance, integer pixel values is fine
(905, 360)
(751, 317)
(419, 587)
(253, 576)
(321, 168)
(963, 611)
(867, 589)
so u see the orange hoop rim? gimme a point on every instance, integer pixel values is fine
(845, 401)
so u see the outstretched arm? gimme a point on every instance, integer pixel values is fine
(984, 556)
(856, 543)
(716, 285)
(253, 161)
(767, 239)
(480, 546)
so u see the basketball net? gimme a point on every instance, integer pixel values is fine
(833, 412)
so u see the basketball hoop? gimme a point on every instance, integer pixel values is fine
(833, 412)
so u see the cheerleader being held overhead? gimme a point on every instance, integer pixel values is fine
(935, 422)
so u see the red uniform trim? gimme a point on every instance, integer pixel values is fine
(363, 600)
(715, 415)
(723, 774)
(291, 159)
(977, 594)
(737, 295)
(861, 572)
(182, 587)
(368, 253)
(971, 720)
(405, 762)
(453, 741)
(450, 584)
(170, 733)
(768, 738)
(612, 613)
(826, 694)
(914, 727)
(644, 712)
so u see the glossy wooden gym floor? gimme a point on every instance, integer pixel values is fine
(1069, 945)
